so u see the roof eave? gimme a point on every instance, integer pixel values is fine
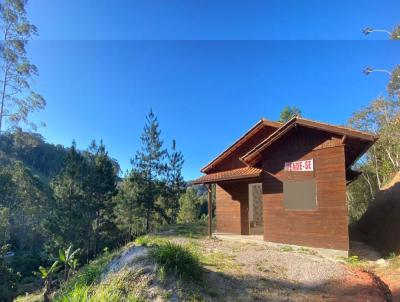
(251, 157)
(199, 182)
(261, 122)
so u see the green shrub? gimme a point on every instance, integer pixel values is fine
(176, 259)
(353, 259)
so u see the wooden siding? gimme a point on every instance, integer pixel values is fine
(324, 227)
(232, 206)
(232, 161)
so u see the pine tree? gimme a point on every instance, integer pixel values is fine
(288, 113)
(175, 182)
(149, 163)
(103, 187)
(71, 221)
(129, 206)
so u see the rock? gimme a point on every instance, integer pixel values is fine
(381, 262)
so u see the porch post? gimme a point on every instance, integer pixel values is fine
(209, 211)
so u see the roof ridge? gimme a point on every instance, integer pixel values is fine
(263, 121)
(294, 119)
(338, 126)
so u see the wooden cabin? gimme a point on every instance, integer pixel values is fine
(287, 182)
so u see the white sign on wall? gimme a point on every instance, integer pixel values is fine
(303, 165)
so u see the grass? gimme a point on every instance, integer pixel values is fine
(80, 285)
(221, 261)
(191, 230)
(354, 260)
(149, 240)
(121, 287)
(394, 262)
(287, 248)
(176, 259)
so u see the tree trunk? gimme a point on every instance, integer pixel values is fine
(96, 233)
(378, 179)
(370, 185)
(46, 294)
(3, 99)
(148, 220)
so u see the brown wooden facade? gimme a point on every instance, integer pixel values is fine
(267, 147)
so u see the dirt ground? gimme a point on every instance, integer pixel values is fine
(238, 271)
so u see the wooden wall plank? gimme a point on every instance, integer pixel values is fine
(325, 227)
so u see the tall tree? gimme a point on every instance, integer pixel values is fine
(129, 206)
(17, 99)
(393, 87)
(71, 220)
(175, 182)
(103, 187)
(289, 112)
(381, 117)
(149, 162)
(395, 34)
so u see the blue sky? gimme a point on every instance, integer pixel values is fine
(102, 67)
(212, 19)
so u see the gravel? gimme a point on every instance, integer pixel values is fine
(301, 268)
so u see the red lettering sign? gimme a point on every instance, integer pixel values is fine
(304, 165)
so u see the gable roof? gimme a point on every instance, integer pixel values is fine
(253, 155)
(244, 138)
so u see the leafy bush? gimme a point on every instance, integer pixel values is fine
(176, 259)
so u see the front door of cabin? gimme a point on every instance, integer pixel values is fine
(255, 209)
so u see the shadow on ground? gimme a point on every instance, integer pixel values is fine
(222, 287)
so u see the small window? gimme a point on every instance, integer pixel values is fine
(299, 195)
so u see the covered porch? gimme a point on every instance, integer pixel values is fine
(239, 205)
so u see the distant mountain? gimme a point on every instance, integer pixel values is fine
(44, 159)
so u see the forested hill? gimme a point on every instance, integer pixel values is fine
(42, 158)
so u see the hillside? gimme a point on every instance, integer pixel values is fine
(181, 264)
(380, 223)
(42, 158)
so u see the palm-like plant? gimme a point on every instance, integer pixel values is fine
(67, 257)
(47, 274)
